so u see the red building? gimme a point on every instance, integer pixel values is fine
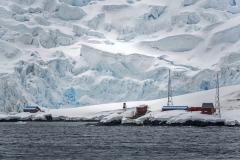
(191, 109)
(142, 109)
(208, 108)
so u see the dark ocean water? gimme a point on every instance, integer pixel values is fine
(66, 140)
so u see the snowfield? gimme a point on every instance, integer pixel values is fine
(70, 53)
(230, 110)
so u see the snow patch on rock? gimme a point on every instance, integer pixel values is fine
(114, 8)
(8, 51)
(217, 4)
(21, 18)
(17, 9)
(210, 17)
(42, 21)
(231, 35)
(189, 2)
(80, 31)
(52, 38)
(111, 118)
(67, 12)
(95, 21)
(6, 14)
(49, 6)
(154, 12)
(187, 18)
(179, 43)
(78, 3)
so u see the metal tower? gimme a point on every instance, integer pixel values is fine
(170, 101)
(217, 102)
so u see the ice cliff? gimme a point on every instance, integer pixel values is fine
(69, 53)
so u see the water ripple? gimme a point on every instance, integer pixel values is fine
(62, 140)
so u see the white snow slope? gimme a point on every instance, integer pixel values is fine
(230, 110)
(69, 53)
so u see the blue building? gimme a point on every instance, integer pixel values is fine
(170, 108)
(31, 109)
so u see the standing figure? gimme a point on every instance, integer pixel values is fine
(124, 107)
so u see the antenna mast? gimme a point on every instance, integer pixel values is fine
(170, 101)
(217, 102)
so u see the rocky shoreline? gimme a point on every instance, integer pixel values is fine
(147, 122)
(195, 123)
(39, 120)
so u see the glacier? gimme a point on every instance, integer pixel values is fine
(71, 53)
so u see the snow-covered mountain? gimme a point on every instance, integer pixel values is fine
(68, 53)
